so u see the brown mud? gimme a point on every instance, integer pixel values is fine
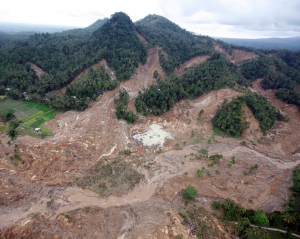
(39, 199)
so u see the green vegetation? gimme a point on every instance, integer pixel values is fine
(286, 220)
(200, 172)
(234, 212)
(203, 153)
(15, 158)
(230, 118)
(215, 158)
(113, 178)
(260, 219)
(82, 91)
(215, 73)
(278, 72)
(189, 193)
(64, 57)
(121, 108)
(289, 96)
(178, 45)
(31, 115)
(200, 222)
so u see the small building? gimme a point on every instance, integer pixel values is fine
(7, 88)
(37, 130)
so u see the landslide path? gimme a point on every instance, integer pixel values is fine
(39, 196)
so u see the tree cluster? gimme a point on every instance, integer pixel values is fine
(82, 91)
(215, 73)
(230, 117)
(122, 111)
(63, 56)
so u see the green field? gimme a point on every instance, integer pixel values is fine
(33, 115)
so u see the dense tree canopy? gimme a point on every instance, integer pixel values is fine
(230, 117)
(215, 73)
(63, 56)
(178, 45)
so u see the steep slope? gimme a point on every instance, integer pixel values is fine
(235, 55)
(177, 44)
(63, 58)
(94, 178)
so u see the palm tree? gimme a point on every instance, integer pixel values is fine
(289, 218)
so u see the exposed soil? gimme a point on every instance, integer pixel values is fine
(193, 62)
(142, 39)
(39, 198)
(285, 134)
(38, 70)
(237, 56)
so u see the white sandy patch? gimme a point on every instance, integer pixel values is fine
(155, 136)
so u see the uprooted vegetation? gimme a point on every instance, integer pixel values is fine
(109, 178)
(259, 178)
(200, 223)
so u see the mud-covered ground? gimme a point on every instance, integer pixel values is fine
(68, 186)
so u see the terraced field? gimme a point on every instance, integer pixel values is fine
(31, 114)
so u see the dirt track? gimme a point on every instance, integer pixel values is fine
(80, 139)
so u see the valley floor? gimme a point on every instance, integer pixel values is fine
(42, 197)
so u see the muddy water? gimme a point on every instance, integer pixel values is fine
(155, 136)
(163, 167)
(166, 166)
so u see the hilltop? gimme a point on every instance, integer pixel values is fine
(142, 111)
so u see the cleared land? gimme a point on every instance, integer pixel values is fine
(33, 115)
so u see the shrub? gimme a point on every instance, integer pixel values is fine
(260, 219)
(190, 193)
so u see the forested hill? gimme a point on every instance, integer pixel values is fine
(64, 55)
(178, 44)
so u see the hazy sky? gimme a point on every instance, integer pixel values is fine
(224, 18)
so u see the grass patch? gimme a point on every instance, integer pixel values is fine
(32, 114)
(3, 127)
